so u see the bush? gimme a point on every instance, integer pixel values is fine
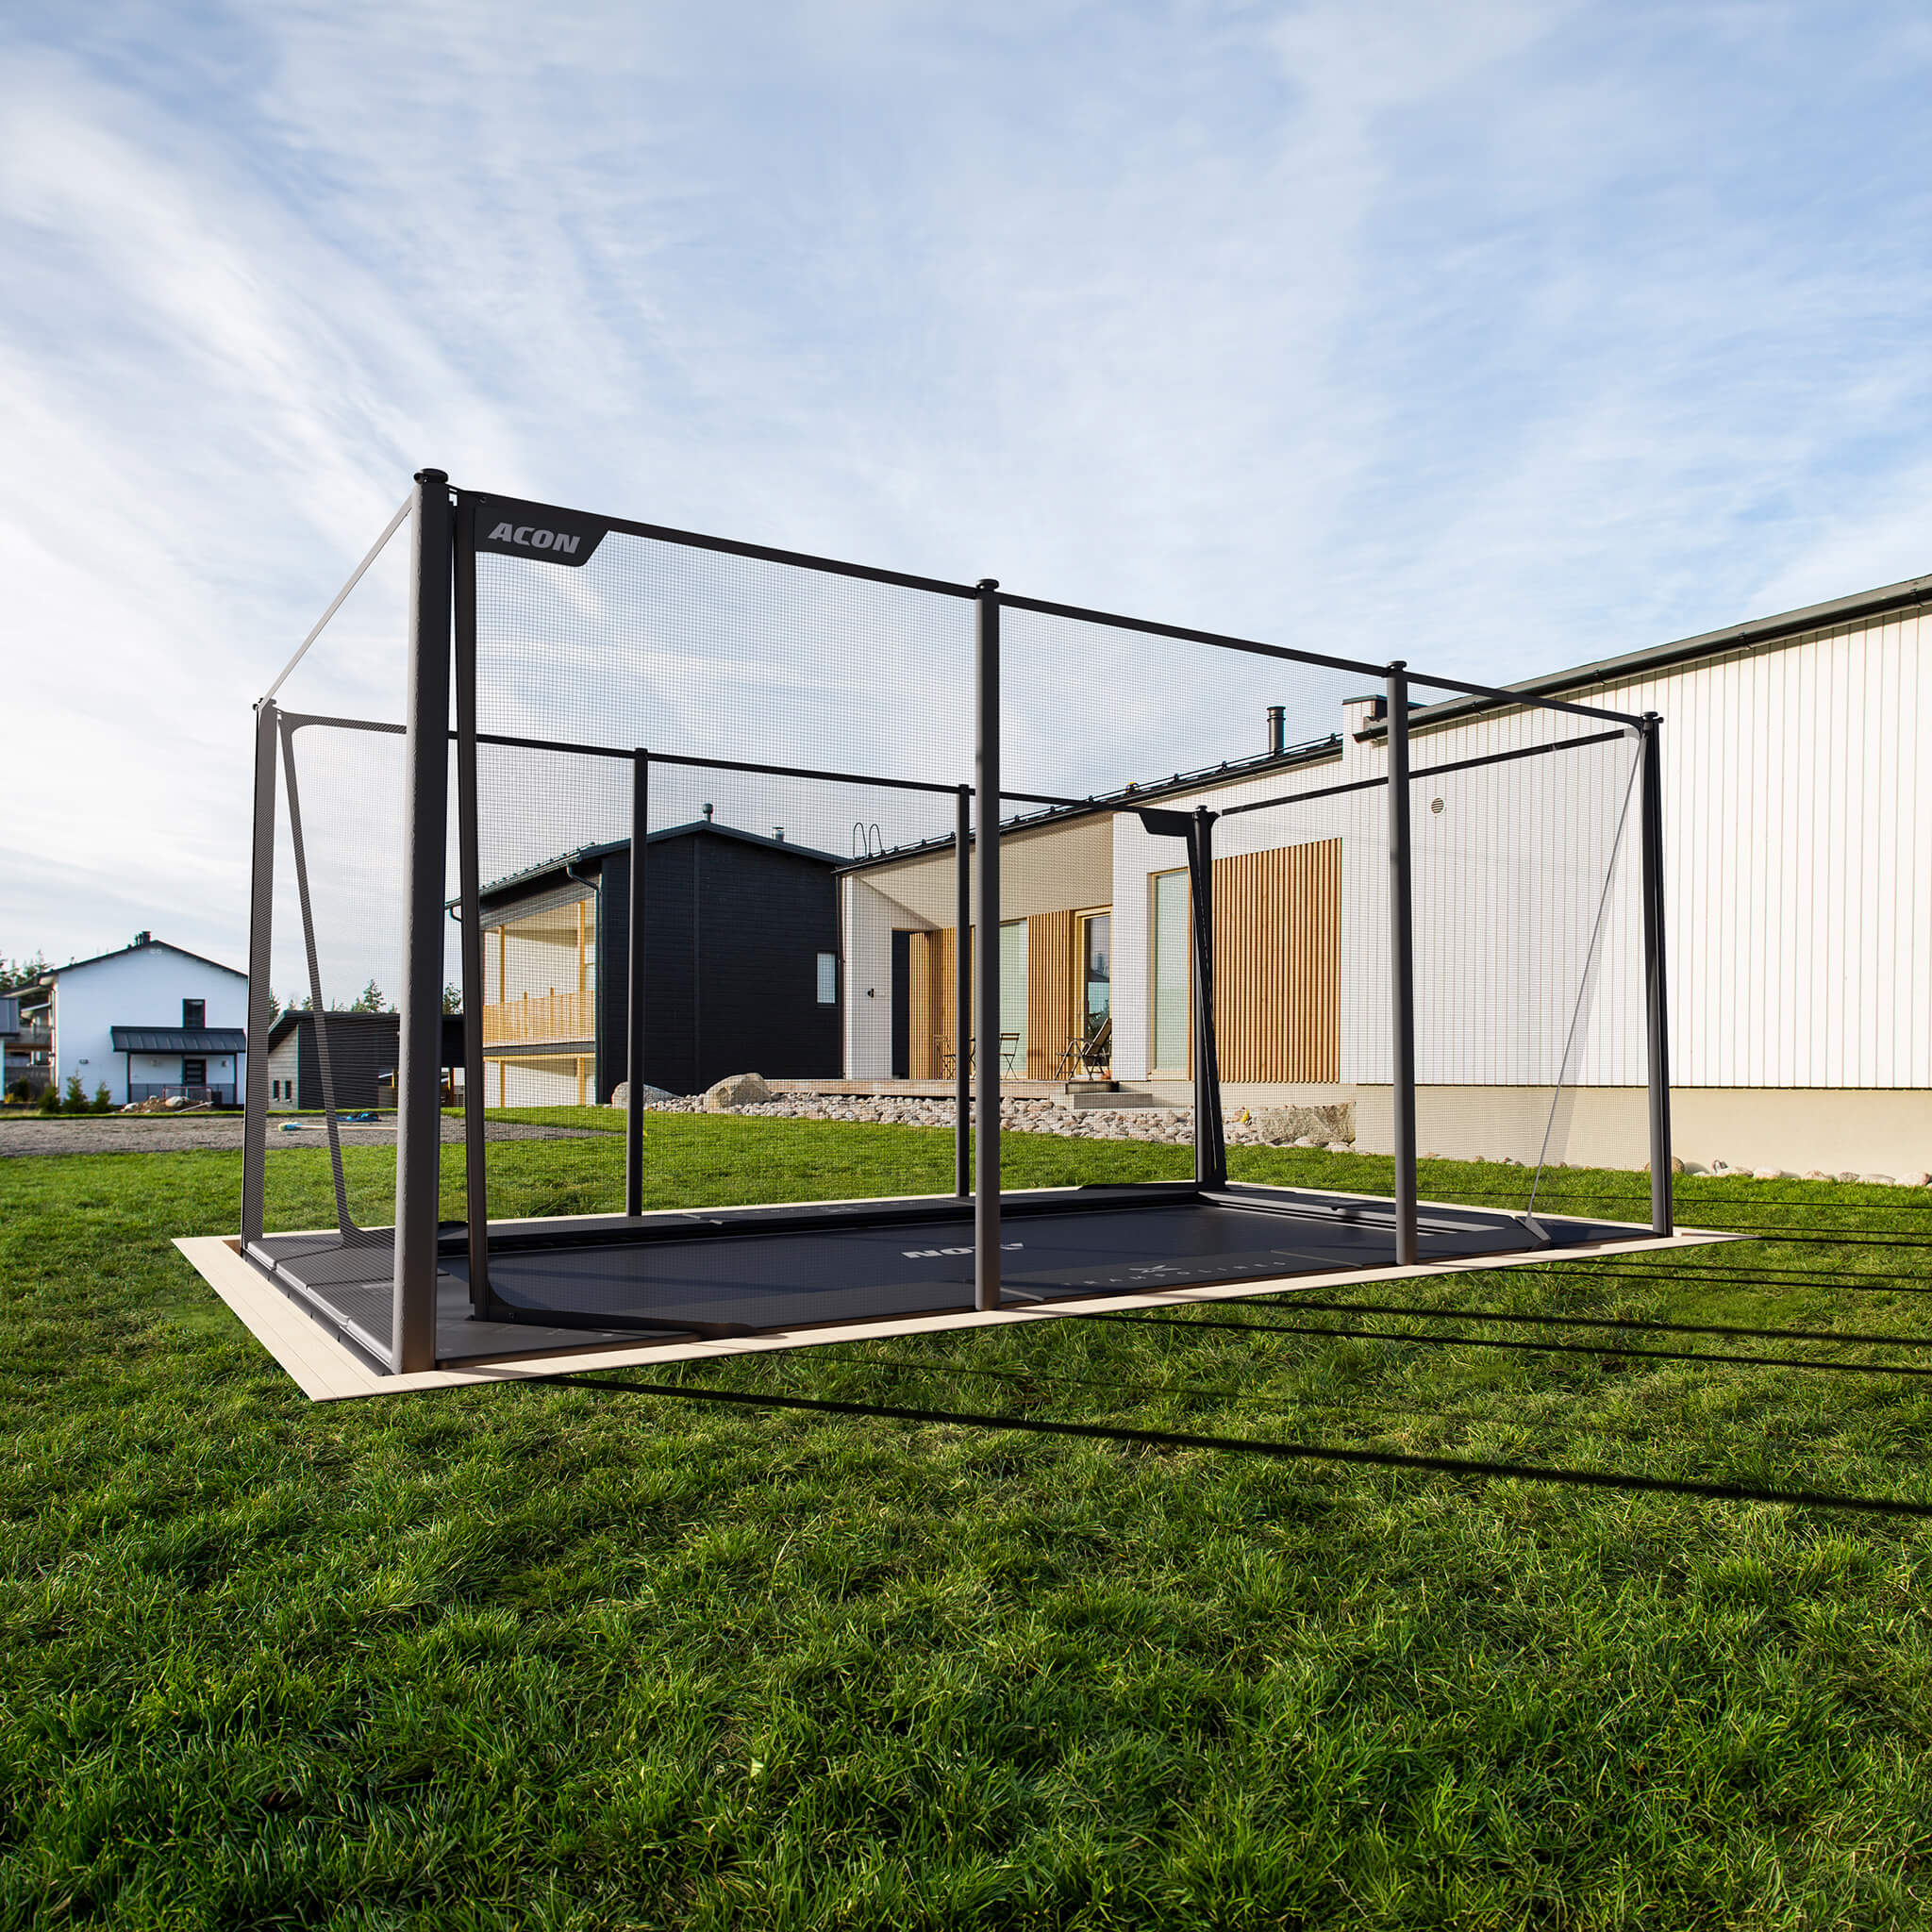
(103, 1101)
(75, 1100)
(21, 1092)
(50, 1098)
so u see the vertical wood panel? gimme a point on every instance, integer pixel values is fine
(1051, 991)
(1278, 942)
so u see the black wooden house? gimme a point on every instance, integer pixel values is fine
(742, 969)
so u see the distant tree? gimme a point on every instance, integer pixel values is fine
(451, 998)
(75, 1098)
(15, 973)
(371, 999)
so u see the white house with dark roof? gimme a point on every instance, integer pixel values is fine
(150, 1021)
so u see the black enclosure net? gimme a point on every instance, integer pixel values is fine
(716, 990)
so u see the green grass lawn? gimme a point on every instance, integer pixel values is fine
(564, 1656)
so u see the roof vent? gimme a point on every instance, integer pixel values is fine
(709, 810)
(142, 938)
(778, 833)
(1277, 730)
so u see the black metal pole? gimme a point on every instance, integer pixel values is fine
(634, 1030)
(261, 884)
(470, 916)
(1211, 1147)
(1663, 1212)
(986, 1038)
(962, 997)
(419, 1112)
(1401, 969)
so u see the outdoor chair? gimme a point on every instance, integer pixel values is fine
(1089, 1052)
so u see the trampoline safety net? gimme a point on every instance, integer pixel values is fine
(743, 1023)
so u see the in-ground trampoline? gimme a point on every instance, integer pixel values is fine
(739, 1274)
(1274, 926)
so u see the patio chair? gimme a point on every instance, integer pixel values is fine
(1089, 1054)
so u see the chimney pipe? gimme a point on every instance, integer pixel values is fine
(1277, 730)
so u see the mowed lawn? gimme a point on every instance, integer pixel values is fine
(565, 1655)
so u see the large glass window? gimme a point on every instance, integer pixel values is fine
(1171, 963)
(1012, 1045)
(1097, 968)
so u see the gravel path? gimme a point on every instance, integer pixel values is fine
(1169, 1125)
(225, 1133)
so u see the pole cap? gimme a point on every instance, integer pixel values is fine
(432, 476)
(987, 584)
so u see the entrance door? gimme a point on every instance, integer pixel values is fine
(901, 1006)
(193, 1073)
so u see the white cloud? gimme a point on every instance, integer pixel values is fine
(1495, 336)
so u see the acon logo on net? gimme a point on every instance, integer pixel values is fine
(527, 536)
(511, 528)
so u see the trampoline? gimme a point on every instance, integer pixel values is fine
(1527, 915)
(810, 1271)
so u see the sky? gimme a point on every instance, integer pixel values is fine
(1499, 337)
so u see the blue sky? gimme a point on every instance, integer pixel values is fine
(1495, 336)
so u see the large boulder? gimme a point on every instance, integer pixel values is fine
(736, 1090)
(1283, 1126)
(622, 1096)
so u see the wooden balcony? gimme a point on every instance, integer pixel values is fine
(540, 1019)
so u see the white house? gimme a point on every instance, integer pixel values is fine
(1797, 819)
(149, 1021)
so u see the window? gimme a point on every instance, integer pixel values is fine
(1173, 957)
(193, 1073)
(828, 979)
(1012, 1058)
(193, 1013)
(1096, 974)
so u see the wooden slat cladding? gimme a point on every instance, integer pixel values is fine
(1277, 944)
(930, 1026)
(1051, 991)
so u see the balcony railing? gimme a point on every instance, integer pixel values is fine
(540, 1019)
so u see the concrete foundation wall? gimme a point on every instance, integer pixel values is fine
(1794, 1129)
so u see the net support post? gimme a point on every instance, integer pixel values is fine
(1401, 969)
(963, 996)
(983, 1046)
(1657, 1058)
(419, 1097)
(1211, 1147)
(470, 919)
(261, 886)
(634, 1021)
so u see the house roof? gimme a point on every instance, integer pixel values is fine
(291, 1017)
(54, 972)
(179, 1039)
(1753, 634)
(1130, 797)
(709, 828)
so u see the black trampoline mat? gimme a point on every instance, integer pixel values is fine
(759, 1270)
(1055, 1250)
